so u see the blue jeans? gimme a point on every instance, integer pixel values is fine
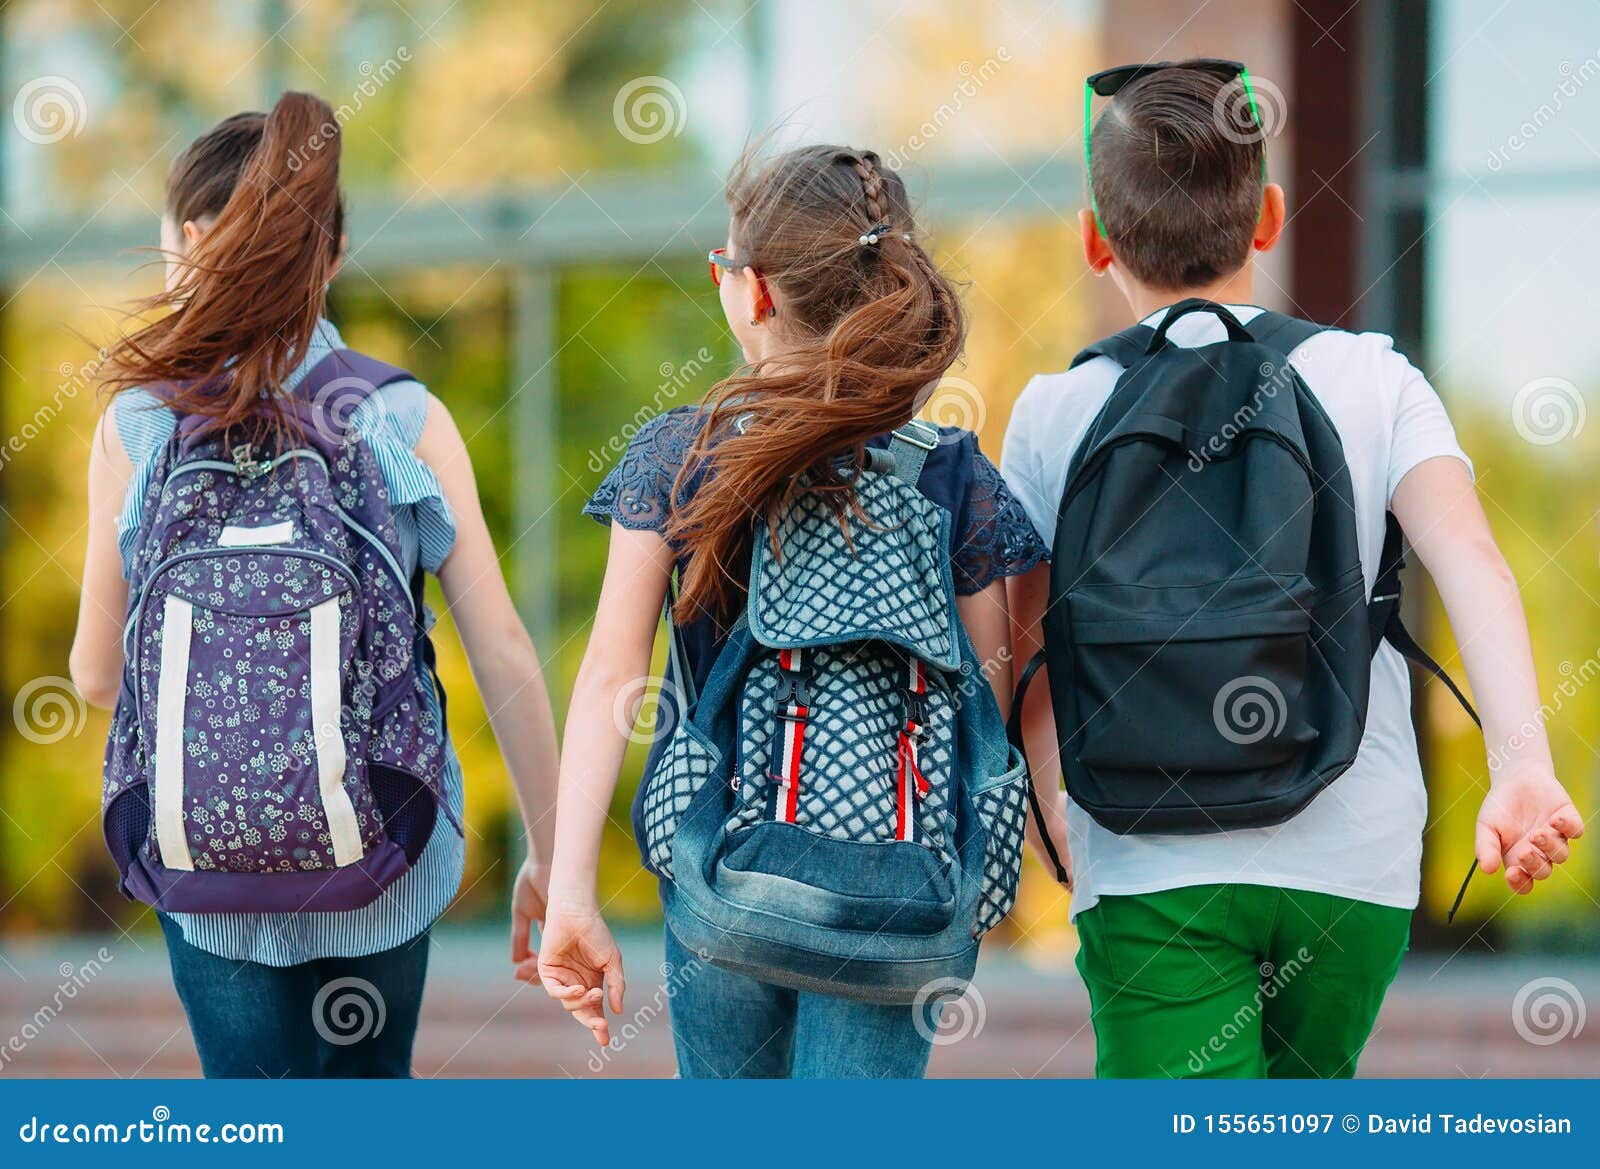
(336, 1017)
(731, 1026)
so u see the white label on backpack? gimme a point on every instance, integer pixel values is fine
(172, 694)
(328, 735)
(233, 537)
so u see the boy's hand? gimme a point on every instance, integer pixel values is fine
(1526, 821)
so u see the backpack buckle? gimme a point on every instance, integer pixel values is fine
(919, 434)
(917, 715)
(791, 692)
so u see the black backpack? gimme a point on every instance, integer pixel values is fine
(1209, 634)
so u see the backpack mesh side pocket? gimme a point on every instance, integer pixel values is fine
(689, 761)
(1003, 811)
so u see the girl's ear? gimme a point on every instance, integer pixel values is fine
(753, 298)
(193, 230)
(1096, 249)
(338, 261)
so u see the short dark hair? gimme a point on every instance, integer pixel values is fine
(1177, 170)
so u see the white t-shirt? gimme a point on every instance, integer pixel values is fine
(1362, 836)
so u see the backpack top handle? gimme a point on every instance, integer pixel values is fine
(1236, 331)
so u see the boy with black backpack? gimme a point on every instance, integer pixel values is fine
(1224, 489)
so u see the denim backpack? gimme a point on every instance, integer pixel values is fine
(274, 746)
(840, 810)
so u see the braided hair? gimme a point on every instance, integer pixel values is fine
(869, 322)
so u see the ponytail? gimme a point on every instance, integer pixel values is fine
(872, 323)
(250, 292)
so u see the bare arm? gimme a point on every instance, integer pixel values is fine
(579, 963)
(1527, 818)
(504, 664)
(1028, 596)
(988, 624)
(96, 659)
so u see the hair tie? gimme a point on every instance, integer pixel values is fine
(874, 234)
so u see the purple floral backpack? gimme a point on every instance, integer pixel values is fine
(275, 746)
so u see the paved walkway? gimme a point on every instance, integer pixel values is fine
(74, 1012)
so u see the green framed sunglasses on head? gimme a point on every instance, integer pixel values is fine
(1109, 82)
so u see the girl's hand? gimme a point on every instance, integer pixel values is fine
(529, 897)
(581, 967)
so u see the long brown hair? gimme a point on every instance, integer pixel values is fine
(869, 326)
(241, 314)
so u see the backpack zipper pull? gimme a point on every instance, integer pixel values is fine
(244, 461)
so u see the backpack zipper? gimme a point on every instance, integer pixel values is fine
(259, 469)
(196, 553)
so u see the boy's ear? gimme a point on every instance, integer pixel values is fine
(1096, 249)
(1273, 213)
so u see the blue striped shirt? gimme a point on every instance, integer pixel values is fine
(391, 422)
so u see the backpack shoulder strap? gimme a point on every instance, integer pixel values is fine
(1014, 734)
(1383, 613)
(677, 651)
(1124, 348)
(1283, 333)
(909, 447)
(364, 375)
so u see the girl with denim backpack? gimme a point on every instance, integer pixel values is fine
(264, 505)
(846, 325)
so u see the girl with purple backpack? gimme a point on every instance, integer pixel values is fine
(264, 505)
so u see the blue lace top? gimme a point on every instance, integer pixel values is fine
(991, 536)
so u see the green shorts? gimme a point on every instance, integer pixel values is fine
(1236, 980)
